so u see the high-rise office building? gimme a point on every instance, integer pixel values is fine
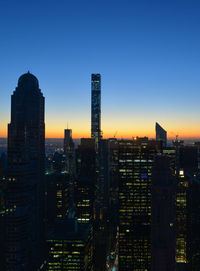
(86, 181)
(193, 222)
(161, 134)
(70, 246)
(163, 215)
(57, 196)
(96, 107)
(135, 186)
(25, 179)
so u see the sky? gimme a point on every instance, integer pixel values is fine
(148, 54)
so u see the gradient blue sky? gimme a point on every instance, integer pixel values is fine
(148, 53)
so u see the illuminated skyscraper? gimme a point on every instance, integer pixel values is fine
(25, 180)
(70, 246)
(96, 107)
(161, 134)
(135, 184)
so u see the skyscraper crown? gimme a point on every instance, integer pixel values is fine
(28, 79)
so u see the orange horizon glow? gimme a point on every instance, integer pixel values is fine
(128, 135)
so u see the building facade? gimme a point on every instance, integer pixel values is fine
(161, 134)
(96, 107)
(135, 185)
(25, 179)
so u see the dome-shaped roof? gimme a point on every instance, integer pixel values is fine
(28, 79)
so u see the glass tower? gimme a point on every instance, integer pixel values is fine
(96, 107)
(161, 134)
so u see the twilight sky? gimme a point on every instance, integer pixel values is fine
(148, 53)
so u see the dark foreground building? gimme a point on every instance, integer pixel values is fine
(70, 246)
(163, 216)
(25, 180)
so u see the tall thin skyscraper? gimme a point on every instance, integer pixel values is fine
(68, 142)
(69, 152)
(96, 107)
(161, 134)
(25, 183)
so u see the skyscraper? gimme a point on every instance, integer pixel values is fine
(135, 185)
(69, 152)
(25, 182)
(86, 180)
(163, 215)
(70, 246)
(68, 142)
(96, 107)
(161, 134)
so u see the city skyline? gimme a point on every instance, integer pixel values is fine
(147, 54)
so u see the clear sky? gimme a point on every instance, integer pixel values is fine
(148, 53)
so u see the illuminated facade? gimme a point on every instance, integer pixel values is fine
(70, 246)
(135, 184)
(84, 199)
(193, 222)
(187, 164)
(25, 179)
(181, 210)
(57, 196)
(96, 107)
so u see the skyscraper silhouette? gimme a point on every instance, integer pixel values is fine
(161, 134)
(96, 107)
(24, 195)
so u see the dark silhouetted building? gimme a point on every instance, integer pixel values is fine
(25, 180)
(96, 107)
(2, 226)
(161, 134)
(69, 152)
(86, 180)
(163, 216)
(68, 142)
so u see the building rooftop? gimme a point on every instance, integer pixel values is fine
(68, 229)
(29, 79)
